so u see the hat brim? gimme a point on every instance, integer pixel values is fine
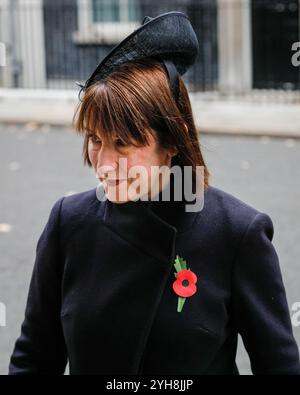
(169, 36)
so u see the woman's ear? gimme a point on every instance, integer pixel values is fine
(172, 151)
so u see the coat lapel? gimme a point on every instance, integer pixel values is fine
(126, 262)
(148, 261)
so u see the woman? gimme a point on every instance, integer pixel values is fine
(124, 284)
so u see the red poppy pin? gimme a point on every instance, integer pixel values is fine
(185, 283)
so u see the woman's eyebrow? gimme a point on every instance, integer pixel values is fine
(114, 136)
(92, 132)
(88, 130)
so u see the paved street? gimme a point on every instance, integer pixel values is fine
(39, 165)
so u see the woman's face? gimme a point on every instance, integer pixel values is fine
(129, 172)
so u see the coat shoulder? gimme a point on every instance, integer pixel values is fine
(75, 209)
(227, 211)
(227, 201)
(79, 204)
(78, 201)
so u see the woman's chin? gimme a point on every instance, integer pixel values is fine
(117, 201)
(120, 193)
(114, 198)
(113, 195)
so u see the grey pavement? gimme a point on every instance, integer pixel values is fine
(40, 164)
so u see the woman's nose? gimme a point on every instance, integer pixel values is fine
(107, 155)
(107, 161)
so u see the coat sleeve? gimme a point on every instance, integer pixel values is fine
(40, 348)
(260, 307)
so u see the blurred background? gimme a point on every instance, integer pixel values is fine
(245, 93)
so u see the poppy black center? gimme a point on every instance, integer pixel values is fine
(185, 283)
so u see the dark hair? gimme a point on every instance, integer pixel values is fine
(136, 98)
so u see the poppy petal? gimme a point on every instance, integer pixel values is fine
(187, 275)
(184, 291)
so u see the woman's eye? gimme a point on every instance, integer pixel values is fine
(120, 143)
(97, 141)
(94, 139)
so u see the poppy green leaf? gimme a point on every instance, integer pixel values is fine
(180, 304)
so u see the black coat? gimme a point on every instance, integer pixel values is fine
(101, 291)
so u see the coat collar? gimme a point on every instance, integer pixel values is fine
(151, 226)
(137, 224)
(175, 212)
